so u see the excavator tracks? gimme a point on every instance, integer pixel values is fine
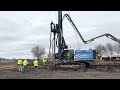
(104, 66)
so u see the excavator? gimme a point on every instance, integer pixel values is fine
(78, 57)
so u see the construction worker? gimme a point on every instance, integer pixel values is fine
(44, 61)
(36, 64)
(25, 63)
(20, 65)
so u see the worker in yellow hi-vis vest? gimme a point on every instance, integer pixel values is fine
(20, 65)
(25, 64)
(36, 64)
(44, 61)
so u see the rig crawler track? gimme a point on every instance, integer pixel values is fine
(98, 66)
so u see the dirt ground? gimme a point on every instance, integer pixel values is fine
(10, 71)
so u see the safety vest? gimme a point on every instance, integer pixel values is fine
(25, 63)
(35, 63)
(44, 60)
(20, 62)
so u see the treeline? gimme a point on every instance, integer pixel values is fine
(108, 49)
(6, 59)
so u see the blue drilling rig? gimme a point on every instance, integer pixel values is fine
(84, 57)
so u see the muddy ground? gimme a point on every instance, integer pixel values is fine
(10, 71)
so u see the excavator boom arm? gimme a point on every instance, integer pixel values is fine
(90, 40)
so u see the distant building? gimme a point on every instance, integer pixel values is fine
(111, 57)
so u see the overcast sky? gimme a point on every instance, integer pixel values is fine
(22, 30)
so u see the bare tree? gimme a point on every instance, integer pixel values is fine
(100, 50)
(117, 48)
(110, 48)
(38, 51)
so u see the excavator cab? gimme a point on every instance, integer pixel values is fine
(69, 54)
